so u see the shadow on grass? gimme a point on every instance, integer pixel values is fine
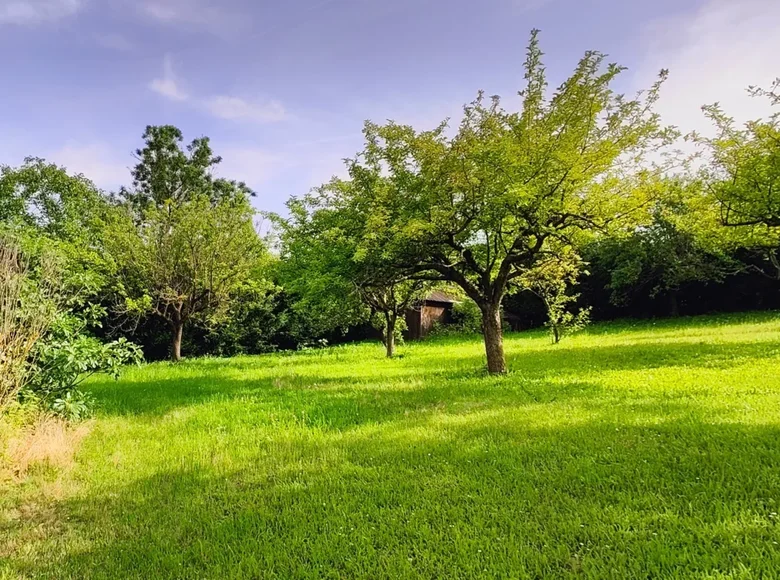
(483, 496)
(343, 392)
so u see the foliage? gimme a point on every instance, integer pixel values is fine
(676, 248)
(551, 280)
(74, 405)
(166, 174)
(482, 207)
(635, 450)
(743, 174)
(66, 358)
(63, 216)
(184, 243)
(29, 303)
(253, 322)
(333, 272)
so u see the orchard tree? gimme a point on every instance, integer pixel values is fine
(482, 207)
(335, 277)
(551, 280)
(183, 241)
(743, 175)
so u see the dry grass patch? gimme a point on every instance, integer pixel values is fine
(47, 441)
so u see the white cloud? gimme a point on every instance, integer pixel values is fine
(713, 55)
(227, 107)
(168, 86)
(213, 16)
(96, 161)
(32, 12)
(238, 109)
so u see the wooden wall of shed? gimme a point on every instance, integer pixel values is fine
(420, 321)
(430, 315)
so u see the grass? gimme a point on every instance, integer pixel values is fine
(631, 451)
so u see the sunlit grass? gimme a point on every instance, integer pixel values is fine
(632, 450)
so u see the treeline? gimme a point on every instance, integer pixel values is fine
(577, 206)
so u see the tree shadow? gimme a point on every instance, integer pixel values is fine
(338, 390)
(480, 495)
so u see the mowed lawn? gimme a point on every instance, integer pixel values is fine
(646, 450)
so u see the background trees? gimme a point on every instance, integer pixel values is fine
(331, 268)
(503, 201)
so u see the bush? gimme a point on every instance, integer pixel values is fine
(68, 356)
(28, 306)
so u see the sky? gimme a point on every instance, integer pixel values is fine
(282, 88)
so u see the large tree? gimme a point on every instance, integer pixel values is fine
(183, 241)
(483, 206)
(742, 173)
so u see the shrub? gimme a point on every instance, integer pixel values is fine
(66, 358)
(27, 308)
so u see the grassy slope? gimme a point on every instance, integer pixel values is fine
(645, 451)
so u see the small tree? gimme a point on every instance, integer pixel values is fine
(551, 280)
(331, 272)
(389, 301)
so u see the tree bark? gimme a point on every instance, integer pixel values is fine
(494, 339)
(178, 327)
(390, 320)
(674, 305)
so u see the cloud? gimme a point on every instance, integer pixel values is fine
(227, 107)
(213, 17)
(238, 109)
(713, 55)
(168, 86)
(96, 161)
(33, 12)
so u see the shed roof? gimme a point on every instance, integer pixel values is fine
(437, 296)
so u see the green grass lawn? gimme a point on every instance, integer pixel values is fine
(649, 450)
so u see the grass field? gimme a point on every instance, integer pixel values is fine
(631, 451)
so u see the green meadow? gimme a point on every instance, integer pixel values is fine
(632, 450)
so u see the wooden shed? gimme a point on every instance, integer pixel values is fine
(421, 318)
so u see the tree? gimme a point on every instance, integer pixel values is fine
(482, 207)
(677, 247)
(389, 299)
(743, 175)
(335, 276)
(182, 240)
(551, 280)
(64, 215)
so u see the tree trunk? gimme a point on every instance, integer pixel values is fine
(674, 305)
(178, 327)
(390, 334)
(494, 339)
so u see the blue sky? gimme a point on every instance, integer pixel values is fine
(283, 87)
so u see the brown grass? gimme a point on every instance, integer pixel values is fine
(47, 441)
